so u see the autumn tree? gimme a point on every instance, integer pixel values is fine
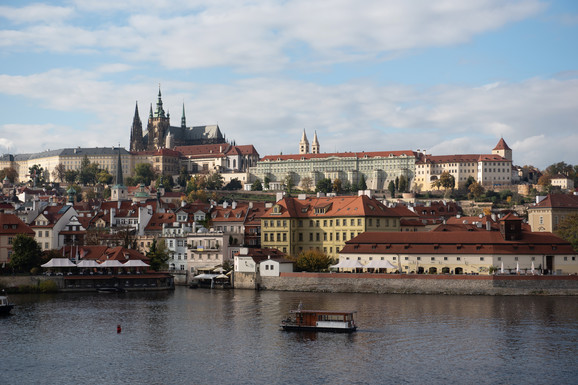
(475, 190)
(36, 173)
(59, 172)
(289, 184)
(143, 173)
(568, 230)
(312, 261)
(337, 185)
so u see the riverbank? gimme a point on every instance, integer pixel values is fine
(423, 284)
(88, 283)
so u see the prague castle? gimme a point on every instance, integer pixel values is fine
(160, 133)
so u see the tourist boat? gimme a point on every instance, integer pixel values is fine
(5, 305)
(319, 320)
(110, 290)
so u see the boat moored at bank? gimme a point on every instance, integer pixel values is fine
(5, 305)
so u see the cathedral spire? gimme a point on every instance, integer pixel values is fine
(119, 179)
(136, 138)
(160, 113)
(151, 112)
(183, 119)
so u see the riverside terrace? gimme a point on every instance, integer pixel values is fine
(127, 282)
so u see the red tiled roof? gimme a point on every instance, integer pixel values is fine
(502, 145)
(558, 201)
(456, 242)
(375, 154)
(341, 206)
(10, 224)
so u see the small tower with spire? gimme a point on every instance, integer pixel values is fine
(158, 125)
(503, 150)
(315, 144)
(304, 144)
(118, 191)
(183, 118)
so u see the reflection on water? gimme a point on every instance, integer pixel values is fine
(233, 337)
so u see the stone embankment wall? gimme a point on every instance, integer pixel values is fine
(28, 280)
(422, 284)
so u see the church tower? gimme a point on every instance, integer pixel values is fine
(503, 150)
(136, 138)
(118, 191)
(158, 125)
(315, 145)
(183, 119)
(304, 144)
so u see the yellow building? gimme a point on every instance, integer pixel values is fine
(548, 213)
(294, 225)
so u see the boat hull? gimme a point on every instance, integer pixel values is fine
(5, 309)
(297, 328)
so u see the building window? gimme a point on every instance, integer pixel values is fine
(317, 237)
(481, 258)
(310, 237)
(300, 237)
(458, 258)
(337, 236)
(419, 258)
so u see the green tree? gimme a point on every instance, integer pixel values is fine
(312, 261)
(306, 183)
(257, 186)
(337, 185)
(158, 255)
(402, 183)
(324, 185)
(469, 182)
(167, 182)
(215, 181)
(70, 176)
(362, 185)
(144, 173)
(183, 177)
(447, 181)
(104, 177)
(391, 188)
(86, 174)
(36, 173)
(59, 172)
(10, 173)
(234, 184)
(26, 253)
(568, 230)
(346, 186)
(266, 182)
(396, 183)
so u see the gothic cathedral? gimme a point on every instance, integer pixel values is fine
(160, 133)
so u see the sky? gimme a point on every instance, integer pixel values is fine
(448, 77)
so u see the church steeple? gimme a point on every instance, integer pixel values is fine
(136, 138)
(183, 119)
(119, 179)
(159, 113)
(315, 145)
(304, 144)
(151, 112)
(118, 191)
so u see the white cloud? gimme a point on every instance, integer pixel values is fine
(536, 117)
(263, 35)
(36, 13)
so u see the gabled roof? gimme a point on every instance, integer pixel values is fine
(456, 242)
(502, 145)
(10, 224)
(558, 201)
(158, 219)
(326, 207)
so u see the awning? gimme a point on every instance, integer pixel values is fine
(111, 263)
(380, 264)
(348, 264)
(88, 263)
(59, 262)
(135, 263)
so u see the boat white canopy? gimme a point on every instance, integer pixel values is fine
(111, 263)
(59, 262)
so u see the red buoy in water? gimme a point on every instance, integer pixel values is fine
(118, 329)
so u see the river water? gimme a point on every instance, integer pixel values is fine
(233, 337)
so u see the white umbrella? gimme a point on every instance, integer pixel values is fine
(88, 263)
(59, 262)
(111, 263)
(532, 267)
(517, 267)
(502, 268)
(380, 264)
(135, 263)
